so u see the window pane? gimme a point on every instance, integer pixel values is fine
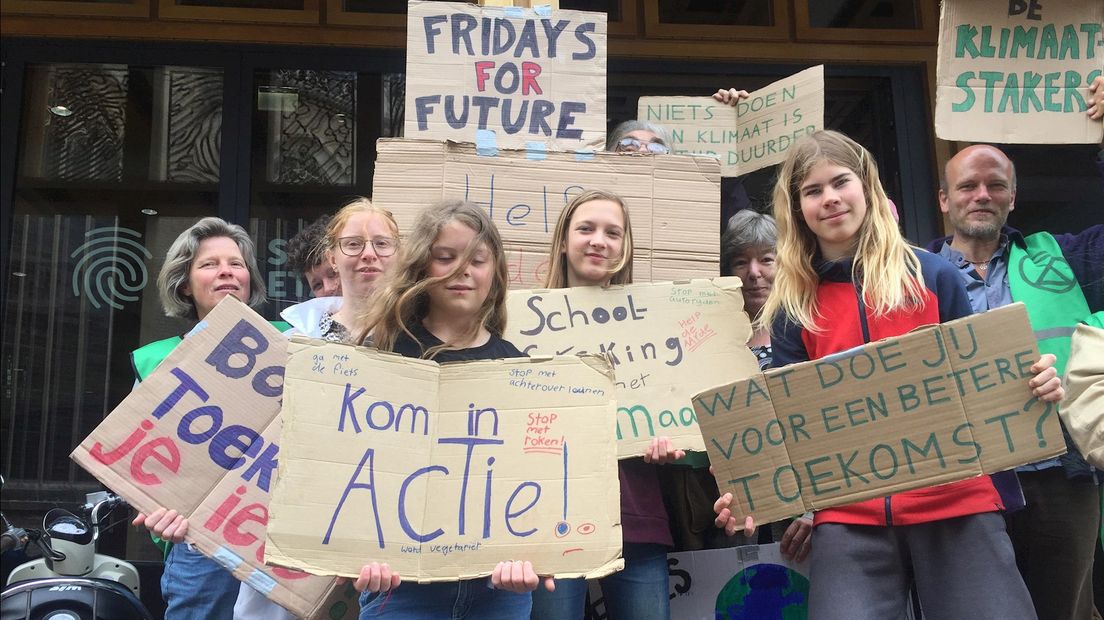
(98, 199)
(294, 5)
(717, 12)
(309, 120)
(305, 160)
(889, 14)
(610, 7)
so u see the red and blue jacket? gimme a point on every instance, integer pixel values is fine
(848, 323)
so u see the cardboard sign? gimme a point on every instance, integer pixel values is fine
(674, 200)
(1018, 72)
(443, 471)
(937, 405)
(201, 435)
(753, 134)
(666, 342)
(506, 77)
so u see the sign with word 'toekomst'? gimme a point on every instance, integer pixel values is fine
(201, 435)
(666, 342)
(443, 471)
(506, 77)
(674, 200)
(934, 406)
(1018, 72)
(753, 134)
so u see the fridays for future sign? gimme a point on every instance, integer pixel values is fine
(506, 77)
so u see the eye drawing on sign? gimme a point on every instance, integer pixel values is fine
(112, 266)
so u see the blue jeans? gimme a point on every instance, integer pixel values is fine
(471, 598)
(639, 592)
(195, 587)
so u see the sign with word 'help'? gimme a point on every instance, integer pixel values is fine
(666, 341)
(201, 436)
(940, 404)
(506, 77)
(674, 200)
(442, 471)
(1018, 72)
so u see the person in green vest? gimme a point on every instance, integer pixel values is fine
(207, 262)
(1060, 279)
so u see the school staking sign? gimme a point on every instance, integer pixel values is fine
(201, 435)
(674, 200)
(666, 342)
(753, 134)
(1018, 72)
(443, 471)
(940, 404)
(506, 77)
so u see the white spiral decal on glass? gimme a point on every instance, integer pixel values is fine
(112, 267)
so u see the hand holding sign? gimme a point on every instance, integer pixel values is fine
(1096, 104)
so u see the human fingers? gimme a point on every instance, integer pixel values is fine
(164, 522)
(1046, 360)
(364, 579)
(749, 526)
(722, 503)
(176, 530)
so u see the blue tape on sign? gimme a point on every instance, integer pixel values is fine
(200, 326)
(261, 582)
(536, 151)
(514, 11)
(584, 155)
(543, 10)
(486, 144)
(227, 558)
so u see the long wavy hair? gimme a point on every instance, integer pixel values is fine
(403, 300)
(621, 273)
(894, 278)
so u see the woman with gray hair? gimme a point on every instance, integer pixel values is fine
(747, 251)
(638, 137)
(208, 262)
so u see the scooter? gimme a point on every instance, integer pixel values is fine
(70, 581)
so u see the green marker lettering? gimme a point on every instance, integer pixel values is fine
(1003, 419)
(815, 477)
(1050, 91)
(964, 41)
(931, 445)
(966, 426)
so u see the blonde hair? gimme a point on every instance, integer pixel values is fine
(404, 298)
(355, 206)
(894, 279)
(621, 273)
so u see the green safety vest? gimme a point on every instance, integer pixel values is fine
(1039, 276)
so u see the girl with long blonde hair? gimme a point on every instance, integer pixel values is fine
(846, 277)
(592, 245)
(445, 299)
(598, 265)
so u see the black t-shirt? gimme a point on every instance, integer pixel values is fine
(493, 349)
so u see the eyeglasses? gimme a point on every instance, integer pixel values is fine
(354, 246)
(632, 144)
